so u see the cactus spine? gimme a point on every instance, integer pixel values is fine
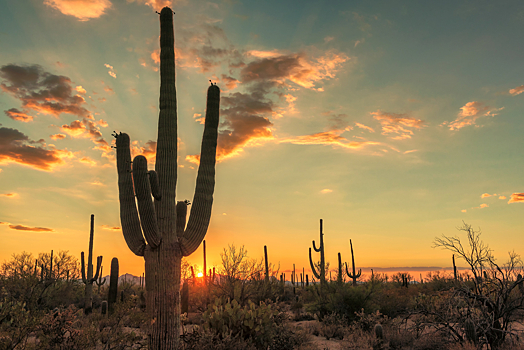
(113, 285)
(160, 234)
(321, 275)
(87, 276)
(354, 276)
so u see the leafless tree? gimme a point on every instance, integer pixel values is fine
(494, 297)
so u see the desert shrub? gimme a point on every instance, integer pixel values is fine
(16, 324)
(333, 326)
(250, 321)
(206, 339)
(344, 300)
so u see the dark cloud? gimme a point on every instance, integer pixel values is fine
(27, 228)
(15, 147)
(41, 91)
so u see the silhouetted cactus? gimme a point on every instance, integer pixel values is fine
(266, 264)
(158, 222)
(454, 269)
(87, 276)
(113, 285)
(354, 276)
(321, 275)
(340, 271)
(100, 282)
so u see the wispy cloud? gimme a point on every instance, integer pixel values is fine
(84, 10)
(58, 136)
(516, 198)
(87, 161)
(9, 195)
(155, 4)
(295, 67)
(16, 147)
(517, 91)
(332, 138)
(469, 114)
(365, 127)
(111, 72)
(400, 124)
(111, 228)
(326, 190)
(27, 228)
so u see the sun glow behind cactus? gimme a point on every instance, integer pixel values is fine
(379, 120)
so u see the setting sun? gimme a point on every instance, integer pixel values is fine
(200, 274)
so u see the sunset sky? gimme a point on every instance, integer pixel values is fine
(393, 121)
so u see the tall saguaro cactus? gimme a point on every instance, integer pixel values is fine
(321, 275)
(87, 276)
(354, 276)
(157, 231)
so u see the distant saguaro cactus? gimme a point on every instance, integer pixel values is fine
(354, 276)
(158, 221)
(113, 285)
(454, 269)
(87, 276)
(266, 264)
(321, 275)
(340, 271)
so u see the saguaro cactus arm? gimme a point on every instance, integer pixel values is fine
(205, 183)
(128, 212)
(98, 266)
(181, 217)
(145, 203)
(82, 267)
(315, 273)
(354, 275)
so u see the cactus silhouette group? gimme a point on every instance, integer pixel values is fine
(157, 230)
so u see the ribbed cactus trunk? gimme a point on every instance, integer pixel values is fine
(159, 234)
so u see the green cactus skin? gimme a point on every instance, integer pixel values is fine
(321, 275)
(266, 264)
(87, 276)
(153, 234)
(113, 285)
(354, 276)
